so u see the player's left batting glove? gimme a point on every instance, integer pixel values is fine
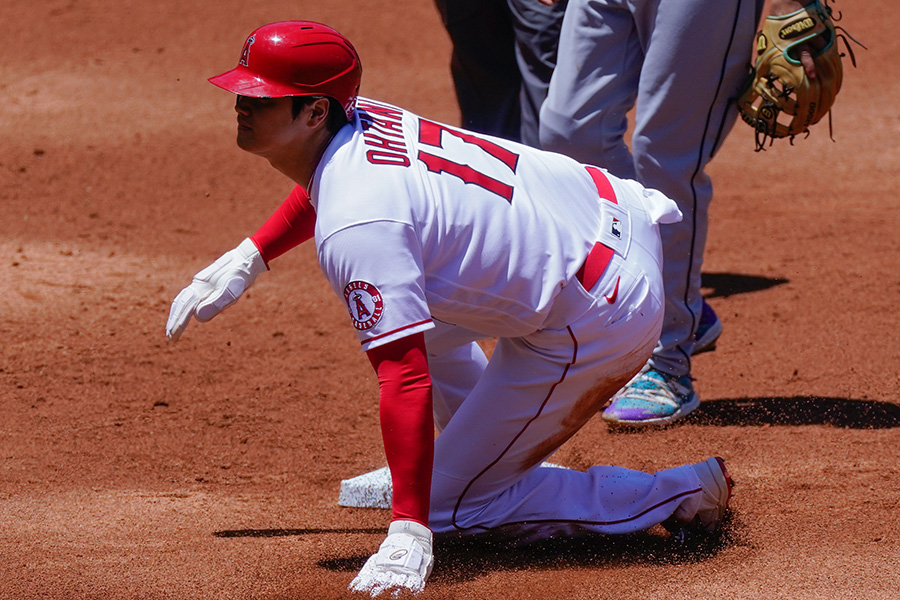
(216, 287)
(403, 562)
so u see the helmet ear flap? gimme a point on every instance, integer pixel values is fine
(296, 58)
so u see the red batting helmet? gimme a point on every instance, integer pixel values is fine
(296, 58)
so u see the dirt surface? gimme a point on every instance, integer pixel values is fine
(134, 468)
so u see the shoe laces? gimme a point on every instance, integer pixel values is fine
(656, 386)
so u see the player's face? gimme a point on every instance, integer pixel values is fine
(265, 125)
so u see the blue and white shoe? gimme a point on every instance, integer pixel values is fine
(708, 331)
(652, 398)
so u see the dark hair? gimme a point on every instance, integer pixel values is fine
(337, 118)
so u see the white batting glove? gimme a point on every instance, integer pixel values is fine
(403, 562)
(216, 287)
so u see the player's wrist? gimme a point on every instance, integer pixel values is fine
(781, 8)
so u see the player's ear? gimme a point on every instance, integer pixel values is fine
(317, 115)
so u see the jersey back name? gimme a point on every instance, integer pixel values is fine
(418, 220)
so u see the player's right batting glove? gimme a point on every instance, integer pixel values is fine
(216, 287)
(403, 562)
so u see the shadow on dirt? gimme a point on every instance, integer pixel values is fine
(463, 558)
(469, 557)
(797, 410)
(721, 285)
(267, 533)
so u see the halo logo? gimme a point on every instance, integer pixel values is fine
(245, 53)
(365, 304)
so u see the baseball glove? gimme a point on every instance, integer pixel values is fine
(780, 100)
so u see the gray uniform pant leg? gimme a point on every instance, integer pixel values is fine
(537, 28)
(685, 107)
(615, 53)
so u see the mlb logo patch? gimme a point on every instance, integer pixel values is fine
(616, 228)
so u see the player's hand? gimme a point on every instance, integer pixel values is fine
(215, 288)
(786, 7)
(402, 563)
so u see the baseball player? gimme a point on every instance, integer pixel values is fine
(436, 237)
(682, 63)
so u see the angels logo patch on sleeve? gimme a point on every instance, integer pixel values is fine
(365, 304)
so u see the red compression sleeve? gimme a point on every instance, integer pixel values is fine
(291, 224)
(407, 425)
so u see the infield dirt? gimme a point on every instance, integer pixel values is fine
(134, 468)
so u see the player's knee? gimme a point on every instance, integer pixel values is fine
(441, 513)
(448, 515)
(453, 507)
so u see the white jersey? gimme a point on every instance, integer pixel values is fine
(421, 227)
(419, 221)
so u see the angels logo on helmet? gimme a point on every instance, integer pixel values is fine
(245, 53)
(296, 58)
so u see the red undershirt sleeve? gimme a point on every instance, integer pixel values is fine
(407, 425)
(291, 224)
